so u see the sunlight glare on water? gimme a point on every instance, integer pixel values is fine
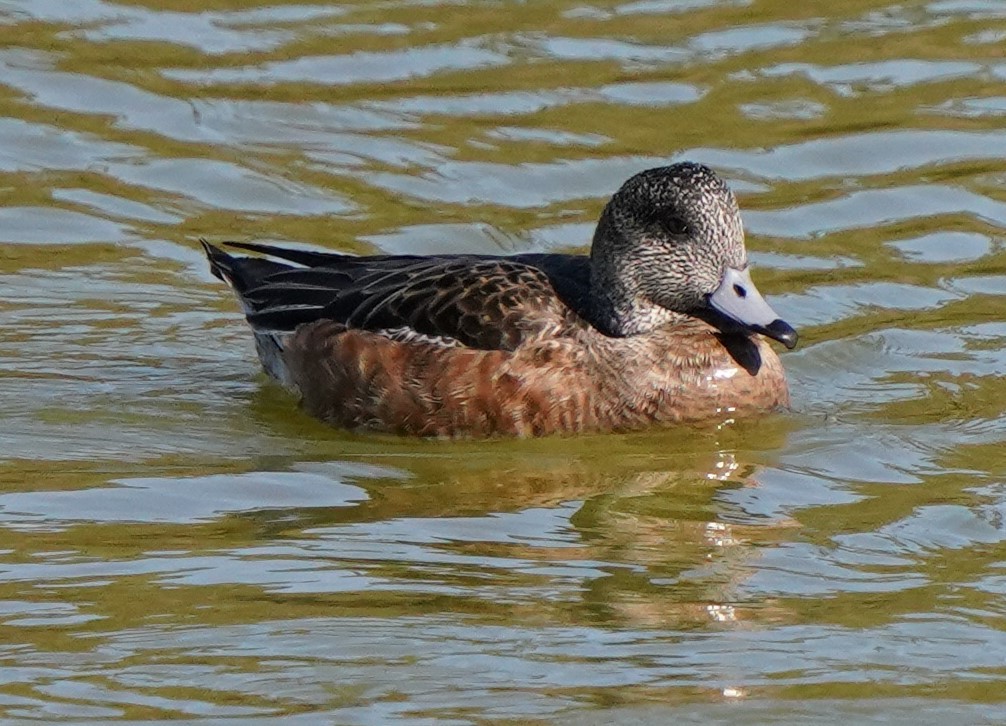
(179, 541)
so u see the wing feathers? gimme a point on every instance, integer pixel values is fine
(476, 301)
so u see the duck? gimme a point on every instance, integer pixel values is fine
(661, 324)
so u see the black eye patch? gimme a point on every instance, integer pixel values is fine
(673, 225)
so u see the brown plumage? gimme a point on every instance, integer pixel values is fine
(661, 324)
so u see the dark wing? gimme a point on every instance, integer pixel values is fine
(480, 302)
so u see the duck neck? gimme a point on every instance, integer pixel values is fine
(619, 316)
(611, 311)
(618, 307)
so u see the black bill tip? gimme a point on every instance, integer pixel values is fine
(781, 331)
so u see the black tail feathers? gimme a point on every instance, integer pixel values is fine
(241, 273)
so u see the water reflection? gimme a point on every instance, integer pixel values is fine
(570, 549)
(180, 542)
(499, 531)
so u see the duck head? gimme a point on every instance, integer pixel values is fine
(670, 243)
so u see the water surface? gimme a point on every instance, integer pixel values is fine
(178, 541)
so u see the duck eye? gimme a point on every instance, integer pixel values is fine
(674, 225)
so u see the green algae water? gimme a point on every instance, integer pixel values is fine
(178, 541)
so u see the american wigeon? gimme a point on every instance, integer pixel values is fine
(660, 324)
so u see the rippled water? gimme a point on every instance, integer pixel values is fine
(178, 541)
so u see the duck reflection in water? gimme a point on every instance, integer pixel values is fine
(617, 535)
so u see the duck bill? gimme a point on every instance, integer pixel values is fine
(738, 299)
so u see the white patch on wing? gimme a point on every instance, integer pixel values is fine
(408, 335)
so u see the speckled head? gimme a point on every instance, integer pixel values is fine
(671, 243)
